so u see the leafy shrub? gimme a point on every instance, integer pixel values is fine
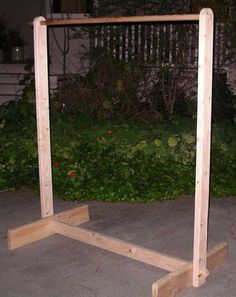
(115, 88)
(112, 160)
(224, 100)
(108, 90)
(18, 157)
(123, 163)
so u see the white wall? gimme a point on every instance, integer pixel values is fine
(77, 58)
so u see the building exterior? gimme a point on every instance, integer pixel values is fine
(21, 14)
(66, 53)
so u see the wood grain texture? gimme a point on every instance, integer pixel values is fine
(130, 19)
(181, 278)
(205, 64)
(42, 112)
(75, 216)
(29, 233)
(40, 229)
(119, 247)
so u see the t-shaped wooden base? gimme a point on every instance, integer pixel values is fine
(64, 223)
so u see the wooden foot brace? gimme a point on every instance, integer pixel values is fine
(64, 223)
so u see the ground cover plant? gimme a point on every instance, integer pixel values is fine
(113, 160)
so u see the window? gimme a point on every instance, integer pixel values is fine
(72, 6)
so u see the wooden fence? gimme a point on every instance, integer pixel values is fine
(159, 44)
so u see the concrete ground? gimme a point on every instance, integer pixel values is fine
(62, 267)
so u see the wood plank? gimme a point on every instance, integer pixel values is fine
(217, 256)
(131, 19)
(40, 229)
(10, 78)
(6, 98)
(11, 89)
(119, 247)
(42, 111)
(205, 64)
(182, 278)
(174, 282)
(13, 68)
(29, 233)
(75, 216)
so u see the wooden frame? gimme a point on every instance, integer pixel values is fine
(182, 274)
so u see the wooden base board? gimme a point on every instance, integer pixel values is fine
(120, 247)
(180, 278)
(40, 229)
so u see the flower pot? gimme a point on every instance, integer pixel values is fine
(17, 54)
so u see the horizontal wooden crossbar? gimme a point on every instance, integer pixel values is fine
(114, 20)
(119, 247)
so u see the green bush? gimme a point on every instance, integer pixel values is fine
(115, 88)
(112, 161)
(224, 100)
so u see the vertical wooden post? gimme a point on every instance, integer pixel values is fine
(205, 64)
(42, 109)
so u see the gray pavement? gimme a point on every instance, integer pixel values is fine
(61, 267)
